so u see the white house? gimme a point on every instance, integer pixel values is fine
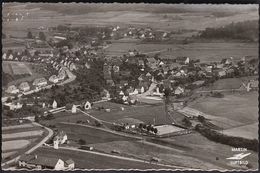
(179, 90)
(40, 82)
(60, 138)
(24, 86)
(54, 104)
(74, 109)
(87, 105)
(54, 79)
(4, 56)
(12, 89)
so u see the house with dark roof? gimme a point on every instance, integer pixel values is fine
(41, 162)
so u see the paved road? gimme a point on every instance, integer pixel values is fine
(50, 133)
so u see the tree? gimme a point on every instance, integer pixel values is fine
(155, 130)
(42, 36)
(186, 122)
(201, 118)
(82, 142)
(37, 119)
(29, 35)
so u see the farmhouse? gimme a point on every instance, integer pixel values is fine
(179, 90)
(60, 138)
(24, 86)
(54, 79)
(42, 162)
(40, 82)
(183, 60)
(12, 89)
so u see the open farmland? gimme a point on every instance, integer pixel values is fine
(241, 109)
(228, 83)
(195, 17)
(145, 113)
(14, 144)
(89, 134)
(85, 160)
(206, 52)
(18, 139)
(201, 148)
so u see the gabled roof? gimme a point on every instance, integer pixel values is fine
(39, 160)
(70, 161)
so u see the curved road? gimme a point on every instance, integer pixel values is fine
(50, 133)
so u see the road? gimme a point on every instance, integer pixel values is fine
(96, 160)
(50, 133)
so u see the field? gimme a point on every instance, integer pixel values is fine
(229, 83)
(18, 139)
(195, 18)
(85, 160)
(201, 148)
(241, 109)
(90, 135)
(18, 68)
(204, 51)
(145, 113)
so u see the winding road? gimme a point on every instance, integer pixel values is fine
(50, 134)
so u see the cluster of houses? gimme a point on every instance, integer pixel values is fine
(38, 83)
(139, 33)
(180, 74)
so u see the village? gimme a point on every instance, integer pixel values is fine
(75, 97)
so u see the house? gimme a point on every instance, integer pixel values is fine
(73, 67)
(179, 90)
(41, 162)
(129, 122)
(219, 72)
(12, 89)
(226, 61)
(54, 79)
(140, 62)
(74, 109)
(60, 138)
(199, 82)
(183, 60)
(152, 63)
(24, 86)
(87, 105)
(70, 164)
(40, 82)
(54, 104)
(254, 84)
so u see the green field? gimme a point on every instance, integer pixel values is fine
(206, 52)
(240, 110)
(92, 161)
(146, 113)
(90, 135)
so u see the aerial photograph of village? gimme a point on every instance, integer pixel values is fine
(129, 86)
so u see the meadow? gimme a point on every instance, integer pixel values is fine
(206, 52)
(239, 110)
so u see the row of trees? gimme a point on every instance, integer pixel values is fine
(247, 30)
(238, 142)
(42, 36)
(148, 128)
